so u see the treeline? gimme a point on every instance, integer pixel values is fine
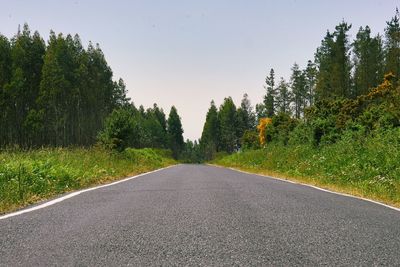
(343, 88)
(54, 94)
(61, 94)
(128, 126)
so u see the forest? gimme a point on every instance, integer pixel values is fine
(350, 85)
(66, 124)
(334, 123)
(60, 94)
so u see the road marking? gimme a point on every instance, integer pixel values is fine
(73, 194)
(312, 186)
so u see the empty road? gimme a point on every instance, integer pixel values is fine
(203, 215)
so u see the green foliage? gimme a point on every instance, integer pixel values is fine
(392, 46)
(299, 89)
(250, 140)
(192, 153)
(269, 98)
(368, 61)
(175, 131)
(228, 124)
(284, 97)
(54, 95)
(128, 127)
(368, 164)
(121, 130)
(210, 137)
(246, 119)
(333, 61)
(27, 176)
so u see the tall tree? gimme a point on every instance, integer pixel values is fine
(5, 76)
(228, 121)
(175, 131)
(260, 111)
(269, 98)
(284, 97)
(210, 137)
(310, 78)
(27, 60)
(245, 116)
(368, 61)
(299, 90)
(334, 66)
(120, 98)
(392, 46)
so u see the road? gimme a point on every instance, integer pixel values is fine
(203, 215)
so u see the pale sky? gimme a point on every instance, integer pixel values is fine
(186, 53)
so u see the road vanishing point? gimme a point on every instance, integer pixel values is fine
(202, 215)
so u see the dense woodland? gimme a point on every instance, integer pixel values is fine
(61, 94)
(344, 88)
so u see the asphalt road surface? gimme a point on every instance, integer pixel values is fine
(201, 215)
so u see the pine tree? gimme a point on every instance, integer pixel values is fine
(119, 95)
(269, 98)
(392, 46)
(245, 116)
(310, 78)
(5, 76)
(175, 131)
(334, 66)
(210, 137)
(368, 61)
(299, 90)
(260, 111)
(284, 97)
(228, 121)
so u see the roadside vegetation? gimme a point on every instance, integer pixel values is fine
(367, 166)
(29, 176)
(65, 124)
(335, 123)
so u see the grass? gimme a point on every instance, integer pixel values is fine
(363, 166)
(29, 176)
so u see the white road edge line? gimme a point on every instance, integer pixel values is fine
(73, 194)
(312, 186)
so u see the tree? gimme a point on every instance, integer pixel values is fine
(269, 98)
(121, 130)
(299, 90)
(334, 66)
(310, 78)
(368, 61)
(392, 46)
(22, 90)
(155, 127)
(228, 121)
(5, 76)
(119, 96)
(175, 131)
(260, 111)
(245, 116)
(284, 97)
(210, 137)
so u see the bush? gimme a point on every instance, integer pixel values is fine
(250, 140)
(121, 130)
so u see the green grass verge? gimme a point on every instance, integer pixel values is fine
(368, 167)
(29, 176)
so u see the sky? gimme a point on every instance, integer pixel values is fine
(187, 53)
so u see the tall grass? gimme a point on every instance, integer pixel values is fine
(366, 166)
(28, 176)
